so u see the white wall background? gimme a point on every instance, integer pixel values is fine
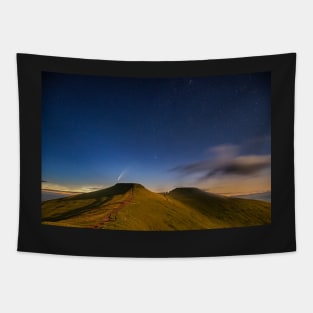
(154, 30)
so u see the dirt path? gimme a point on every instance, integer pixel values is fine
(112, 216)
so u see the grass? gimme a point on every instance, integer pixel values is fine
(133, 207)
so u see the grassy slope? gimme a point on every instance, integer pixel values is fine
(225, 212)
(141, 209)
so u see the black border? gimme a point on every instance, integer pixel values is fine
(279, 236)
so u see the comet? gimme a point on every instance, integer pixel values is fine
(121, 175)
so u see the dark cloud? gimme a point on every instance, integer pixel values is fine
(43, 181)
(192, 168)
(220, 154)
(245, 166)
(234, 165)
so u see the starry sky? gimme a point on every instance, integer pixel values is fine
(211, 132)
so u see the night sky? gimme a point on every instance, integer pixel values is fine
(207, 132)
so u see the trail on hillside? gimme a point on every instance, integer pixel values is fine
(112, 215)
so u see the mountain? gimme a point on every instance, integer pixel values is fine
(129, 206)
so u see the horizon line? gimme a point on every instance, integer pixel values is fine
(229, 194)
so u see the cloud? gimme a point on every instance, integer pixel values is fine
(72, 188)
(243, 165)
(91, 188)
(256, 145)
(193, 167)
(226, 150)
(226, 160)
(220, 155)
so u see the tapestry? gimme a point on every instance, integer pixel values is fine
(156, 159)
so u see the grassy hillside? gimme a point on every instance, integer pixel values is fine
(224, 211)
(133, 207)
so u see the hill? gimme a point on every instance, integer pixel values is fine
(128, 206)
(224, 211)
